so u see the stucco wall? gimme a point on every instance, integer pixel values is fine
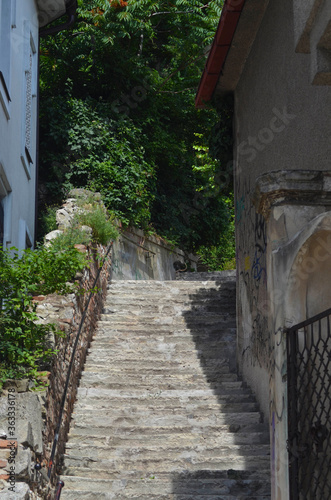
(281, 123)
(17, 180)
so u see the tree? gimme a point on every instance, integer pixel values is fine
(117, 114)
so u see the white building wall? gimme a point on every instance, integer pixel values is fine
(18, 118)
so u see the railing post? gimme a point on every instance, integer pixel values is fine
(293, 415)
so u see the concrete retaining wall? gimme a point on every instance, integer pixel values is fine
(140, 257)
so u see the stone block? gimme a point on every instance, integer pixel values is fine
(29, 422)
(21, 492)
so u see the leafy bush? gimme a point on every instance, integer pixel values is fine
(221, 256)
(69, 238)
(103, 229)
(24, 343)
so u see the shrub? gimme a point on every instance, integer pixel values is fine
(24, 343)
(103, 229)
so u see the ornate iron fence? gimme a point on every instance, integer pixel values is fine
(309, 408)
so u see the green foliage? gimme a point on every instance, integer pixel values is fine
(118, 116)
(46, 221)
(221, 256)
(69, 238)
(24, 342)
(103, 229)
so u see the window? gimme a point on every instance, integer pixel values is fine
(5, 53)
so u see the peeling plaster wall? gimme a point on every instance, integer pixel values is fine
(282, 123)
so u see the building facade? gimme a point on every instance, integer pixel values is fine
(20, 21)
(274, 56)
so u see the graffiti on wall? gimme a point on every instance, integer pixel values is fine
(251, 261)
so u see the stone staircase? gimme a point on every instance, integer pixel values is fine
(161, 413)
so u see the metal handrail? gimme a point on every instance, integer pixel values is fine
(64, 396)
(308, 321)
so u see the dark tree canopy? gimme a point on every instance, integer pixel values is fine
(118, 116)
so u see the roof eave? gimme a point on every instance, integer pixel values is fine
(236, 32)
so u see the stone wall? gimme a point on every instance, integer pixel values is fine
(137, 256)
(37, 414)
(69, 311)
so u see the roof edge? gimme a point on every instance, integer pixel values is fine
(219, 50)
(235, 35)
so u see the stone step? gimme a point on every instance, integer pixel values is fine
(106, 330)
(163, 339)
(166, 319)
(173, 357)
(227, 417)
(135, 395)
(159, 349)
(142, 452)
(184, 381)
(157, 486)
(104, 468)
(202, 275)
(125, 431)
(169, 298)
(218, 338)
(201, 280)
(223, 437)
(86, 495)
(157, 409)
(185, 310)
(212, 374)
(175, 405)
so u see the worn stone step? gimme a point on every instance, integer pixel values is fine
(184, 380)
(183, 396)
(175, 405)
(173, 413)
(189, 343)
(165, 352)
(198, 282)
(151, 452)
(198, 275)
(163, 298)
(151, 383)
(106, 330)
(126, 431)
(223, 437)
(104, 468)
(170, 318)
(86, 495)
(219, 341)
(227, 417)
(171, 369)
(158, 486)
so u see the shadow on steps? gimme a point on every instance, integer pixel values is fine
(212, 323)
(220, 485)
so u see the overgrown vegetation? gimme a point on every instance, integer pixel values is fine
(118, 116)
(24, 342)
